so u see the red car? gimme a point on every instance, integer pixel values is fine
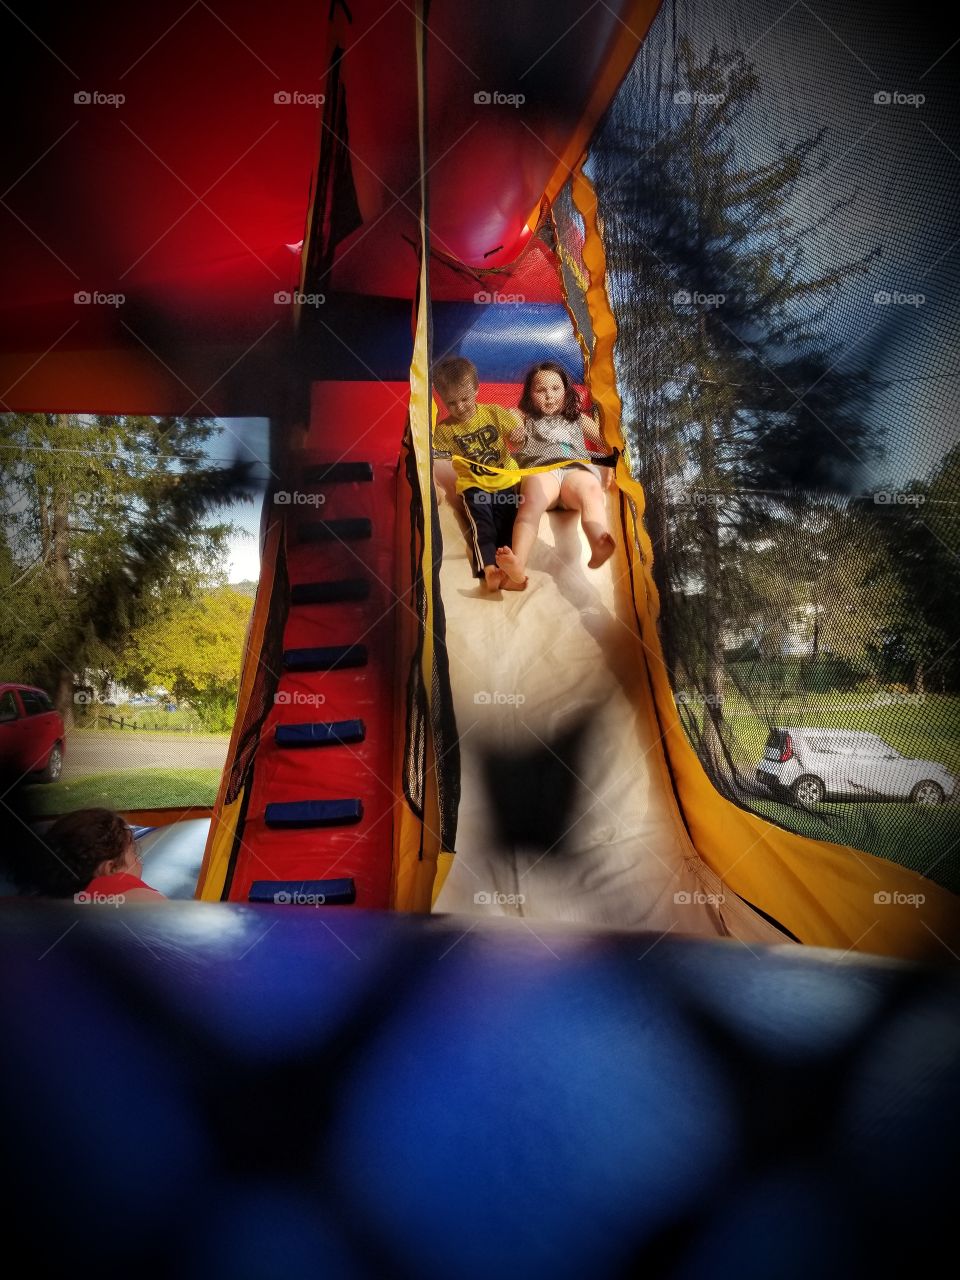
(31, 732)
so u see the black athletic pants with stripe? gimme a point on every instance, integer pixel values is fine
(490, 517)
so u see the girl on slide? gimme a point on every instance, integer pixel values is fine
(551, 429)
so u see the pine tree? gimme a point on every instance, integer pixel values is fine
(107, 519)
(735, 406)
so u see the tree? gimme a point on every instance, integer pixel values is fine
(738, 402)
(194, 650)
(107, 522)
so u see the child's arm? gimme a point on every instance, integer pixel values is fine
(519, 432)
(592, 432)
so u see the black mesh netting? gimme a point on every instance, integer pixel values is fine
(777, 196)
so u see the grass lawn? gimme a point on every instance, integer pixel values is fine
(923, 839)
(930, 731)
(128, 789)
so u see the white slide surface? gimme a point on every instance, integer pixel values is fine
(554, 712)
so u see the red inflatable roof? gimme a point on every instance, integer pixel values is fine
(157, 174)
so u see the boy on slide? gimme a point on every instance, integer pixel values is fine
(475, 437)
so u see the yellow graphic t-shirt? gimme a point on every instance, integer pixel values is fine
(483, 440)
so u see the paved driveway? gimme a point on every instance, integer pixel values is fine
(94, 752)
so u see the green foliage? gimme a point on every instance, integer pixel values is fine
(194, 649)
(107, 525)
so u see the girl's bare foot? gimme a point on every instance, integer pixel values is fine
(511, 566)
(493, 576)
(508, 585)
(603, 548)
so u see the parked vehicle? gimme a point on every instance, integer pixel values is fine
(848, 764)
(31, 732)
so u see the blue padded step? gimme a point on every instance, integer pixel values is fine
(313, 813)
(331, 658)
(330, 592)
(304, 893)
(330, 733)
(337, 472)
(351, 529)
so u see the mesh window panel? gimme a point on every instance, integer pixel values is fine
(777, 192)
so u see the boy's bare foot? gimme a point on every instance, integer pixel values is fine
(509, 585)
(493, 576)
(511, 566)
(603, 548)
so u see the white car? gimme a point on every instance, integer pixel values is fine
(847, 764)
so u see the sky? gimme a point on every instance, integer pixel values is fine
(249, 439)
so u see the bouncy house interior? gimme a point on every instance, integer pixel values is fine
(629, 843)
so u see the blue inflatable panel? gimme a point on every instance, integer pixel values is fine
(304, 893)
(503, 339)
(345, 589)
(332, 658)
(325, 734)
(349, 530)
(313, 813)
(598, 1102)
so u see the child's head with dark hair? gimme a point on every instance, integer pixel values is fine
(457, 383)
(80, 846)
(548, 391)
